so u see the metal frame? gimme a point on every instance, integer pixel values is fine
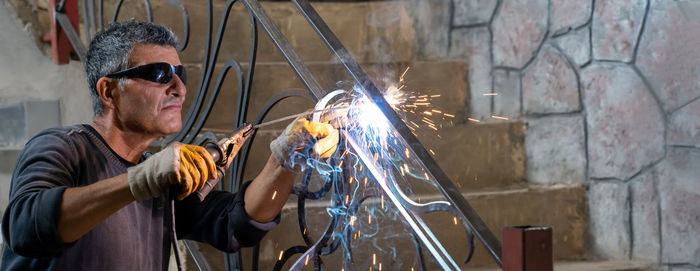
(65, 21)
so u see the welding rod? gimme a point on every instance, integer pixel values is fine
(263, 124)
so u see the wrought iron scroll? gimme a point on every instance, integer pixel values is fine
(336, 183)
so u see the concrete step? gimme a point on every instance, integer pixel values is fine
(566, 214)
(475, 156)
(380, 31)
(611, 265)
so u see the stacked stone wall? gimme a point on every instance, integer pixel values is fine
(610, 94)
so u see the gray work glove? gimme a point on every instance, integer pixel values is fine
(188, 166)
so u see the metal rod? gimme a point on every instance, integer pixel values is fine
(270, 122)
(68, 29)
(447, 187)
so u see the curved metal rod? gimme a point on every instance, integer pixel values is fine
(288, 254)
(117, 7)
(212, 98)
(244, 96)
(186, 24)
(86, 21)
(100, 8)
(194, 111)
(149, 13)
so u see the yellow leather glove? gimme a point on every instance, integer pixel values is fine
(188, 166)
(286, 148)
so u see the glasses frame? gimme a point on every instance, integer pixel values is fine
(152, 72)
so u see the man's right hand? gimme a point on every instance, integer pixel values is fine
(188, 166)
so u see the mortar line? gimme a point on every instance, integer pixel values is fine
(630, 226)
(635, 51)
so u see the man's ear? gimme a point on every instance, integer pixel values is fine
(107, 88)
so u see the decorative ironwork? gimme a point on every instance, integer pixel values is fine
(336, 183)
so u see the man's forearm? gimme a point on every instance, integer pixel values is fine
(83, 208)
(266, 195)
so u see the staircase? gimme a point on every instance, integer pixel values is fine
(486, 160)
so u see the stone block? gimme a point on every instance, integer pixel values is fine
(507, 84)
(480, 156)
(576, 45)
(472, 46)
(616, 26)
(390, 33)
(569, 14)
(14, 126)
(609, 219)
(518, 30)
(41, 115)
(473, 12)
(684, 125)
(445, 78)
(550, 84)
(625, 124)
(679, 193)
(432, 26)
(666, 57)
(645, 218)
(566, 214)
(555, 150)
(22, 120)
(369, 37)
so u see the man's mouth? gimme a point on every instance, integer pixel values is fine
(173, 107)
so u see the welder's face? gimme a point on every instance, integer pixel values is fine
(153, 108)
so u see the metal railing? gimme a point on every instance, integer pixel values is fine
(64, 32)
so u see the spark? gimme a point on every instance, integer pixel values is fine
(448, 115)
(380, 266)
(491, 94)
(431, 151)
(374, 258)
(455, 218)
(499, 117)
(307, 260)
(429, 113)
(351, 178)
(382, 201)
(404, 74)
(281, 252)
(369, 219)
(435, 96)
(407, 154)
(347, 199)
(473, 120)
(274, 194)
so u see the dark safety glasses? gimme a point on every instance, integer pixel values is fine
(160, 72)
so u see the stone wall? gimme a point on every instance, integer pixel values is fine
(610, 94)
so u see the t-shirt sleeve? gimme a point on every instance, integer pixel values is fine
(220, 220)
(44, 169)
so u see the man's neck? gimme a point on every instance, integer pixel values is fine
(127, 144)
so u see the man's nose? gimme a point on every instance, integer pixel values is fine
(177, 87)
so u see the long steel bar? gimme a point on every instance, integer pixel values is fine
(68, 29)
(445, 184)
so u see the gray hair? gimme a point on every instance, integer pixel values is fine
(110, 49)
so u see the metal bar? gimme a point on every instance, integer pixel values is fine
(60, 41)
(445, 184)
(72, 36)
(527, 248)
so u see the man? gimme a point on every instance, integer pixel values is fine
(83, 198)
